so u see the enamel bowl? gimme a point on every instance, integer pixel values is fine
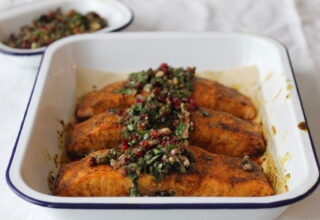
(117, 15)
(53, 98)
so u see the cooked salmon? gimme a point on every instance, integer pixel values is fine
(206, 93)
(215, 175)
(217, 132)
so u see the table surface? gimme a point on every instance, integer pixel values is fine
(295, 23)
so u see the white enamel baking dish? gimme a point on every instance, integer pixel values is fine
(117, 15)
(53, 99)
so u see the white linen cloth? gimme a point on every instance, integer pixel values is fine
(295, 23)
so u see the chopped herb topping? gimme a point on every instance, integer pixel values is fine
(124, 91)
(156, 127)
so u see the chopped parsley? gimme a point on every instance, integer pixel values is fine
(124, 91)
(156, 127)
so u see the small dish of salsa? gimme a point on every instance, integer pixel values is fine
(29, 29)
(53, 26)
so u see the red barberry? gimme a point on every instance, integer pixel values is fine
(156, 91)
(164, 66)
(133, 137)
(120, 112)
(124, 147)
(165, 113)
(154, 134)
(145, 144)
(124, 141)
(192, 104)
(160, 99)
(139, 100)
(139, 153)
(93, 162)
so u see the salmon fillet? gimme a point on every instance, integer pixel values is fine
(206, 93)
(99, 101)
(99, 132)
(216, 175)
(213, 95)
(217, 132)
(222, 133)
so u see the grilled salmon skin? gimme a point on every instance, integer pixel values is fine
(215, 175)
(206, 93)
(217, 132)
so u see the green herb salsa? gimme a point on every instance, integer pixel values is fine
(53, 26)
(156, 126)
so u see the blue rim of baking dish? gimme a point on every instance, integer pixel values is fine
(3, 51)
(61, 205)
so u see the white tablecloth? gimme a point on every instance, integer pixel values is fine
(296, 23)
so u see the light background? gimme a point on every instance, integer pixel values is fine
(295, 23)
